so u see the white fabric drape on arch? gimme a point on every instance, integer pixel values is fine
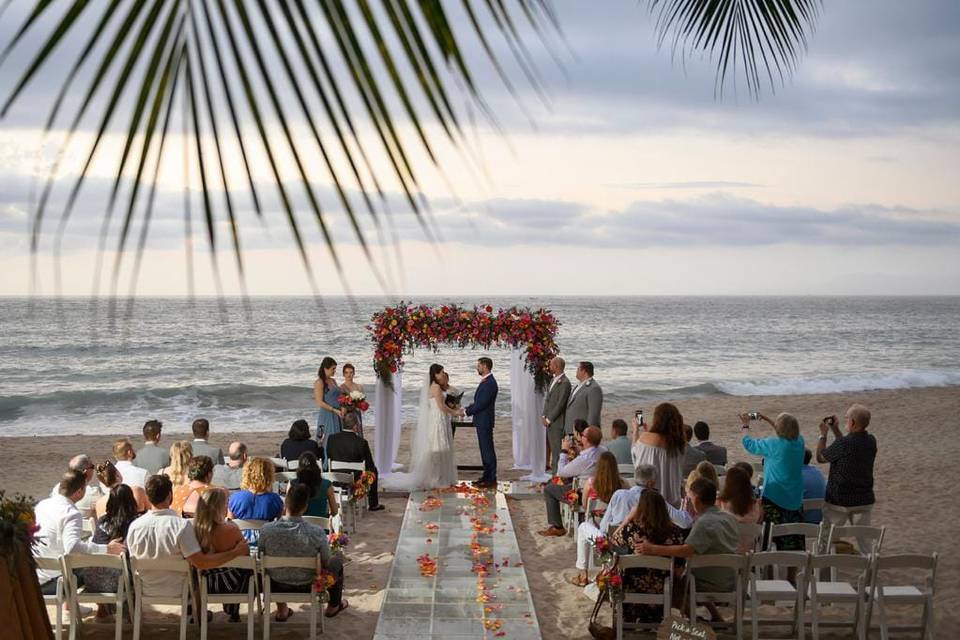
(529, 436)
(389, 405)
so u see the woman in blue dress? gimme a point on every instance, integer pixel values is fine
(326, 393)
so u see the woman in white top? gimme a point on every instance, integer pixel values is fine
(662, 445)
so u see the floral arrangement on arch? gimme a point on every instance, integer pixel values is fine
(400, 330)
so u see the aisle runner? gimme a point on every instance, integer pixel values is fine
(457, 572)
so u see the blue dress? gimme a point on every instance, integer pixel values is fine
(327, 421)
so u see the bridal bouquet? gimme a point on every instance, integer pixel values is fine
(354, 401)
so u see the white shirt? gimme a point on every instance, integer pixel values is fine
(87, 505)
(162, 535)
(226, 476)
(623, 501)
(582, 466)
(555, 380)
(133, 476)
(61, 526)
(585, 383)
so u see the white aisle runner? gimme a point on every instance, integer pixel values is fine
(457, 573)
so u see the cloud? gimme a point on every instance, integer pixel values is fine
(691, 184)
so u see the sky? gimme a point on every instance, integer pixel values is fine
(629, 176)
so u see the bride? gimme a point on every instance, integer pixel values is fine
(432, 461)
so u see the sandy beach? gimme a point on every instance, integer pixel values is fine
(916, 452)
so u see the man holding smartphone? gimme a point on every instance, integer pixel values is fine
(578, 460)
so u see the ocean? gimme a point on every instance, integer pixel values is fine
(73, 366)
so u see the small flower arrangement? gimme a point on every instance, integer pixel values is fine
(361, 487)
(571, 497)
(613, 582)
(354, 401)
(603, 549)
(18, 526)
(337, 541)
(557, 480)
(325, 580)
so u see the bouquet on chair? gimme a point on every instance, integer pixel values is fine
(361, 487)
(354, 401)
(324, 581)
(18, 525)
(337, 541)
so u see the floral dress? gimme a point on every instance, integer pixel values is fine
(643, 580)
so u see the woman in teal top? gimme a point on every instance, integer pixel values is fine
(323, 500)
(782, 473)
(326, 393)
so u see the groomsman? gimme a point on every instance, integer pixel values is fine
(586, 400)
(555, 408)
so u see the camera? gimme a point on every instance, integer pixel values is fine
(754, 415)
(639, 416)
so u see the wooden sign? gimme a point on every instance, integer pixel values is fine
(674, 628)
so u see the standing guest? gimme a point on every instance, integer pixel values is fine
(151, 456)
(326, 393)
(350, 385)
(120, 510)
(133, 475)
(691, 455)
(348, 446)
(181, 452)
(619, 444)
(61, 529)
(782, 496)
(851, 458)
(298, 441)
(649, 522)
(199, 477)
(160, 534)
(256, 500)
(814, 487)
(662, 444)
(323, 496)
(84, 465)
(216, 535)
(737, 499)
(586, 399)
(291, 537)
(201, 431)
(110, 478)
(230, 474)
(577, 460)
(716, 454)
(606, 480)
(555, 409)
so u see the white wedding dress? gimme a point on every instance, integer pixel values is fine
(433, 464)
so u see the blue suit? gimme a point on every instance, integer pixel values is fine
(484, 416)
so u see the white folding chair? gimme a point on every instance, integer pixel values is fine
(249, 525)
(320, 521)
(138, 568)
(752, 531)
(279, 463)
(313, 598)
(78, 595)
(54, 564)
(87, 527)
(592, 505)
(343, 489)
(775, 591)
(281, 478)
(838, 591)
(626, 469)
(886, 594)
(250, 597)
(293, 465)
(568, 513)
(869, 540)
(354, 468)
(634, 561)
(733, 561)
(814, 537)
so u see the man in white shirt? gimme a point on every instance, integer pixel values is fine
(133, 476)
(87, 504)
(229, 475)
(61, 528)
(160, 534)
(575, 462)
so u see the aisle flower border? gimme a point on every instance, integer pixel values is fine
(402, 329)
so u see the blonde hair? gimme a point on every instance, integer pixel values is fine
(122, 448)
(787, 426)
(703, 470)
(211, 512)
(181, 452)
(257, 476)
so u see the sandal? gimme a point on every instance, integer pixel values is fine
(579, 581)
(343, 605)
(277, 618)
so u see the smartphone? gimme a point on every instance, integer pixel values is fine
(829, 420)
(754, 415)
(639, 416)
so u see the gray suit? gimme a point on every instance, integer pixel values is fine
(691, 458)
(202, 448)
(585, 403)
(555, 410)
(716, 454)
(152, 457)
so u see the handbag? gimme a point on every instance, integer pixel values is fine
(597, 630)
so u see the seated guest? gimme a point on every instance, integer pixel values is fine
(737, 498)
(201, 430)
(61, 529)
(579, 426)
(292, 537)
(648, 523)
(622, 502)
(216, 534)
(230, 474)
(715, 531)
(120, 510)
(84, 465)
(691, 455)
(661, 443)
(298, 441)
(348, 446)
(323, 497)
(180, 454)
(619, 444)
(110, 478)
(747, 468)
(716, 454)
(578, 459)
(151, 456)
(199, 477)
(605, 481)
(814, 488)
(702, 470)
(160, 534)
(133, 475)
(256, 499)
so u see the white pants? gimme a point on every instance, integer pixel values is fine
(586, 533)
(842, 516)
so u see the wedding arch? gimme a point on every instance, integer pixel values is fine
(530, 333)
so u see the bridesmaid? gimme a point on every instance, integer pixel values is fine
(349, 385)
(326, 393)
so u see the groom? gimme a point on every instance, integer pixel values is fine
(482, 410)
